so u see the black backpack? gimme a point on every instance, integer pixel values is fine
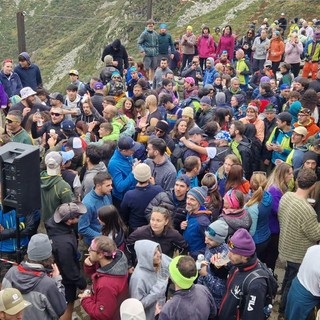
(177, 156)
(272, 285)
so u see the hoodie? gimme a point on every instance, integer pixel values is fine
(146, 284)
(295, 157)
(46, 294)
(30, 76)
(87, 182)
(260, 212)
(109, 289)
(210, 73)
(54, 191)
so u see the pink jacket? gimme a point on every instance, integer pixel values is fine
(206, 46)
(226, 43)
(293, 52)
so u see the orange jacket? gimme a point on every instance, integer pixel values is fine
(276, 50)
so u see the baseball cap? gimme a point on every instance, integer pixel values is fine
(53, 160)
(67, 125)
(197, 130)
(189, 80)
(67, 156)
(56, 96)
(75, 144)
(68, 211)
(127, 143)
(300, 130)
(74, 71)
(12, 302)
(305, 111)
(27, 92)
(98, 86)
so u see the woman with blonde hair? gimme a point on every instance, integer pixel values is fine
(259, 207)
(293, 51)
(277, 185)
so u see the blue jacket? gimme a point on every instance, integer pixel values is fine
(198, 223)
(260, 213)
(209, 76)
(30, 77)
(8, 235)
(89, 226)
(120, 168)
(11, 84)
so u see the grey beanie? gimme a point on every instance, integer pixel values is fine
(217, 231)
(220, 98)
(39, 247)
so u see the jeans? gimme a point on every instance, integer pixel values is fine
(291, 271)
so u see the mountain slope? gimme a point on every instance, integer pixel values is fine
(65, 34)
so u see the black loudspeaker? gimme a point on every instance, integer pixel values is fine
(20, 178)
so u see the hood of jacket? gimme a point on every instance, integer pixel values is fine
(26, 56)
(47, 182)
(118, 267)
(98, 168)
(27, 277)
(266, 199)
(145, 250)
(116, 44)
(57, 229)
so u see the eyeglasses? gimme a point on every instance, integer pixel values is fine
(90, 249)
(55, 114)
(259, 172)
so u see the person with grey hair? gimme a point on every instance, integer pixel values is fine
(234, 89)
(39, 280)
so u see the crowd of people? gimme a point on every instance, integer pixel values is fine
(170, 186)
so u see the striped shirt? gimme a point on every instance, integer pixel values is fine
(299, 227)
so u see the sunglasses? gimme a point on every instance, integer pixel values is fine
(55, 114)
(159, 130)
(10, 121)
(259, 172)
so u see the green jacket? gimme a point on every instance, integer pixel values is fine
(22, 136)
(54, 191)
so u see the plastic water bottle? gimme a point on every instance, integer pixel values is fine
(267, 310)
(39, 121)
(200, 258)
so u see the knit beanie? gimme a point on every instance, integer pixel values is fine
(295, 107)
(265, 79)
(132, 309)
(199, 193)
(220, 98)
(142, 172)
(242, 243)
(310, 155)
(177, 277)
(217, 231)
(162, 125)
(39, 247)
(188, 112)
(205, 100)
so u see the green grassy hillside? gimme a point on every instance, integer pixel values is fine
(65, 34)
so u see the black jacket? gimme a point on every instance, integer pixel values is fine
(246, 156)
(118, 53)
(253, 301)
(65, 251)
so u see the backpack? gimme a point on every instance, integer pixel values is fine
(272, 286)
(177, 155)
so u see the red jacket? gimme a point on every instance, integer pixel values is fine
(110, 289)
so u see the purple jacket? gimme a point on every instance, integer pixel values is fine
(273, 218)
(226, 43)
(3, 97)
